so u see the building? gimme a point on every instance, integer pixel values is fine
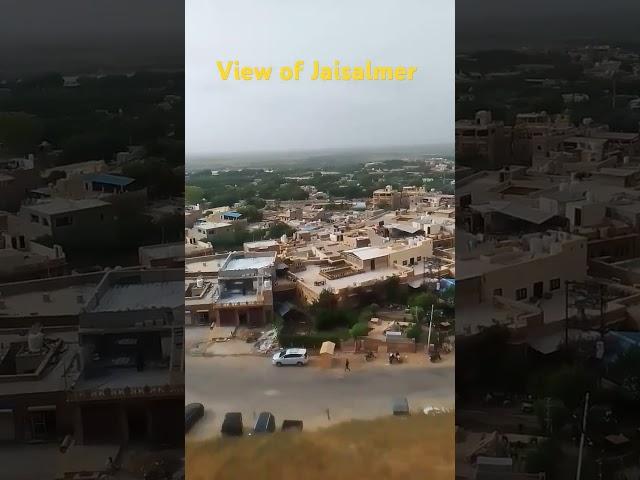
(209, 231)
(386, 198)
(21, 257)
(70, 221)
(131, 335)
(481, 140)
(36, 369)
(243, 295)
(503, 281)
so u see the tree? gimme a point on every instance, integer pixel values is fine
(545, 459)
(415, 331)
(449, 295)
(551, 410)
(627, 369)
(423, 301)
(251, 213)
(326, 301)
(278, 229)
(360, 329)
(193, 194)
(568, 384)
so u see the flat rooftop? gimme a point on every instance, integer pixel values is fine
(204, 265)
(60, 301)
(249, 263)
(312, 274)
(211, 225)
(59, 205)
(53, 378)
(141, 296)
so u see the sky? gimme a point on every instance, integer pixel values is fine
(230, 116)
(67, 35)
(503, 24)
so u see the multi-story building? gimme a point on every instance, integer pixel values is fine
(131, 335)
(519, 273)
(481, 140)
(70, 221)
(243, 294)
(386, 198)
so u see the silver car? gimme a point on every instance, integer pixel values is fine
(291, 356)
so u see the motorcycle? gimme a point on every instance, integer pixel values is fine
(434, 357)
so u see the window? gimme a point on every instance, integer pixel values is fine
(21, 241)
(35, 218)
(45, 221)
(521, 294)
(419, 259)
(404, 262)
(498, 292)
(63, 221)
(554, 284)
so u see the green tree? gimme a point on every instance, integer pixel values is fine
(551, 410)
(415, 331)
(360, 329)
(251, 213)
(545, 459)
(193, 194)
(626, 368)
(423, 300)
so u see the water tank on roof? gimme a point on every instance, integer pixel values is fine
(283, 239)
(267, 284)
(199, 282)
(35, 341)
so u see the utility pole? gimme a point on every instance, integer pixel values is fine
(584, 428)
(430, 326)
(566, 314)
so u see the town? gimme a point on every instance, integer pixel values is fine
(347, 273)
(547, 325)
(91, 275)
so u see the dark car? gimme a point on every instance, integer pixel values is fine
(266, 423)
(232, 425)
(292, 426)
(401, 406)
(192, 413)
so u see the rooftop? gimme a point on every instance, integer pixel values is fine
(141, 296)
(312, 275)
(57, 206)
(368, 253)
(110, 179)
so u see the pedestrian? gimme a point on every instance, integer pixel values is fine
(346, 365)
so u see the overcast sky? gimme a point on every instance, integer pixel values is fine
(232, 116)
(65, 35)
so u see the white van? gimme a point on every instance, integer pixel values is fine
(291, 356)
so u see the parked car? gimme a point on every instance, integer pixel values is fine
(291, 356)
(232, 425)
(265, 423)
(292, 426)
(192, 413)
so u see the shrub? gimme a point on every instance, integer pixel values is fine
(414, 331)
(360, 329)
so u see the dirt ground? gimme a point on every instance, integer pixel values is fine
(411, 448)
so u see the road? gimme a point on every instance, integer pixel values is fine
(250, 384)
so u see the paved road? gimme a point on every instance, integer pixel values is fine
(251, 384)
